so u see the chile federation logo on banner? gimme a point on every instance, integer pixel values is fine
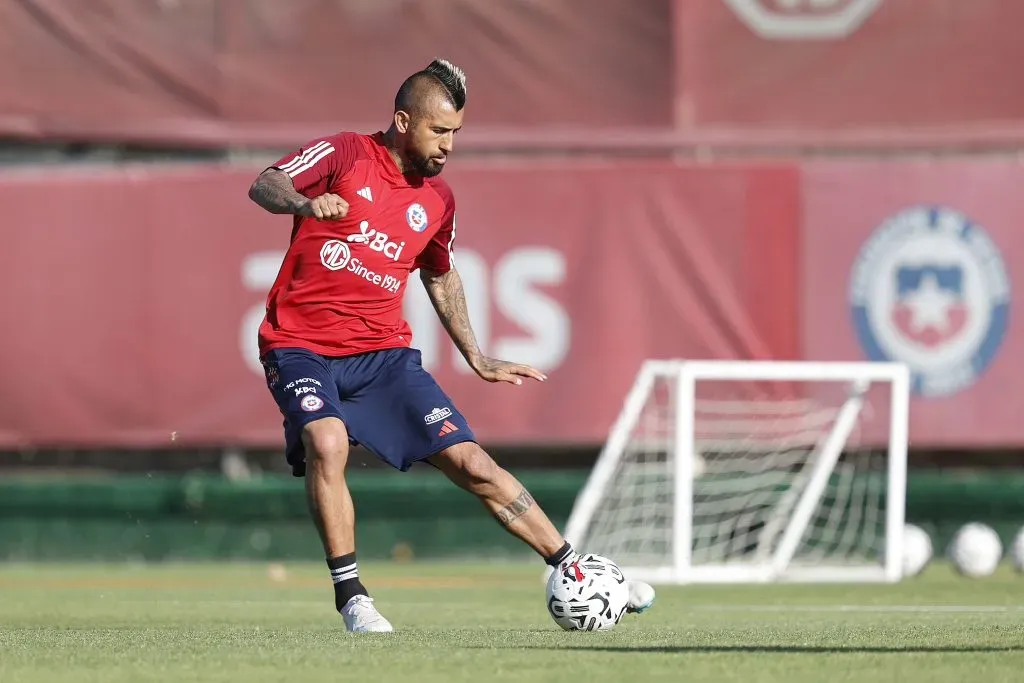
(929, 289)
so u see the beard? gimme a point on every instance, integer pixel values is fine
(425, 167)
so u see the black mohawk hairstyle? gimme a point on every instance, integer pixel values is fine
(452, 78)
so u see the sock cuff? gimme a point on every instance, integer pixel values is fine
(563, 552)
(341, 561)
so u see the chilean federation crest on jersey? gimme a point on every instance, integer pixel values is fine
(929, 289)
(416, 217)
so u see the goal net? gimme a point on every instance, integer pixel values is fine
(752, 471)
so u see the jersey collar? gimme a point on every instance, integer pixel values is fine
(391, 169)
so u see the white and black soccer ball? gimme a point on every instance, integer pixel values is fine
(589, 594)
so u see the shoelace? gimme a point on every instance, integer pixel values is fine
(361, 604)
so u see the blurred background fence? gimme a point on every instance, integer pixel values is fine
(636, 179)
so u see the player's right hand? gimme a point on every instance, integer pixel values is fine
(326, 207)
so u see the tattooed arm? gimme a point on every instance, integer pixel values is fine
(273, 190)
(449, 299)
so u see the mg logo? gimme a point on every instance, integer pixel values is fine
(334, 254)
(803, 19)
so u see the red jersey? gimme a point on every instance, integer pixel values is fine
(340, 287)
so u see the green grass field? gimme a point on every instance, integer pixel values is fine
(87, 623)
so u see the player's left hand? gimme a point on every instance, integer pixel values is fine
(494, 370)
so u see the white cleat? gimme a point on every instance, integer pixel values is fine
(641, 597)
(362, 617)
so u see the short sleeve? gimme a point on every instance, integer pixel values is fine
(438, 255)
(315, 167)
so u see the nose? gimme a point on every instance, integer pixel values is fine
(447, 142)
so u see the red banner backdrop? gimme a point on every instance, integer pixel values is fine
(130, 297)
(251, 71)
(645, 74)
(828, 66)
(920, 263)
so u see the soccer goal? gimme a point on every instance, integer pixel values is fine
(752, 471)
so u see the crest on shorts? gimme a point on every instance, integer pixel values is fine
(311, 403)
(929, 288)
(416, 217)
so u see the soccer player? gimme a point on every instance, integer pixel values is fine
(369, 210)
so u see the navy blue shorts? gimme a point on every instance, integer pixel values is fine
(388, 402)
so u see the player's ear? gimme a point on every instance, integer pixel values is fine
(402, 121)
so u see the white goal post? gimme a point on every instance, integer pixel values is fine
(753, 471)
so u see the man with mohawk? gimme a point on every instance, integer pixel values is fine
(369, 210)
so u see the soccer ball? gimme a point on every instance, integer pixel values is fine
(917, 550)
(975, 550)
(1017, 551)
(588, 595)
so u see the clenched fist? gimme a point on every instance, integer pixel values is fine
(326, 207)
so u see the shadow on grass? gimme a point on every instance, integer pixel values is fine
(769, 649)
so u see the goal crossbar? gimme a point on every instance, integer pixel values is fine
(767, 370)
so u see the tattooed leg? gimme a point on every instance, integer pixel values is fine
(472, 469)
(516, 509)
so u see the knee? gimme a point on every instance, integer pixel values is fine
(326, 442)
(475, 466)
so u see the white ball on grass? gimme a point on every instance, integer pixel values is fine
(917, 550)
(1017, 551)
(589, 595)
(975, 550)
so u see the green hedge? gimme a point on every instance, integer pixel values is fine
(422, 514)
